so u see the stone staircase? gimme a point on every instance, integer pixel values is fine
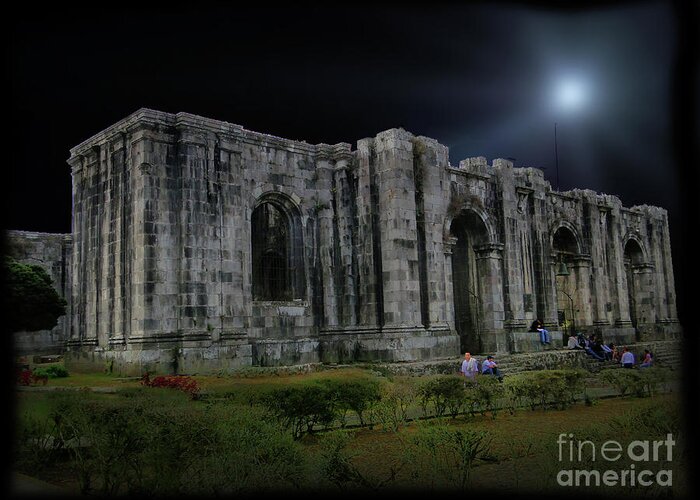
(667, 353)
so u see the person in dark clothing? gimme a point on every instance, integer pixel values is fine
(538, 326)
(589, 349)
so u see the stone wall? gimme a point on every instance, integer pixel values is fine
(202, 246)
(51, 252)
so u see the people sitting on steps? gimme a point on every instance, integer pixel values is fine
(592, 350)
(489, 367)
(573, 342)
(601, 349)
(538, 326)
(615, 354)
(627, 359)
(647, 360)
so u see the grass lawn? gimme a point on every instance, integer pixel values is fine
(522, 453)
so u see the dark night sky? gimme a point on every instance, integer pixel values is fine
(478, 78)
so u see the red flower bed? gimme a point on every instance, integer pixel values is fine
(181, 382)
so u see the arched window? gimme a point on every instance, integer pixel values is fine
(278, 270)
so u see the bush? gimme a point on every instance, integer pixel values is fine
(139, 445)
(352, 395)
(392, 409)
(37, 444)
(32, 303)
(543, 388)
(486, 392)
(442, 393)
(301, 408)
(641, 383)
(245, 452)
(54, 371)
(443, 455)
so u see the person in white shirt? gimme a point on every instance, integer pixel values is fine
(470, 367)
(573, 342)
(627, 359)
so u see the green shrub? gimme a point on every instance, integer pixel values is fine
(247, 452)
(443, 393)
(37, 445)
(391, 411)
(302, 407)
(654, 378)
(641, 382)
(352, 395)
(54, 371)
(486, 392)
(643, 423)
(440, 455)
(545, 388)
(161, 443)
(626, 381)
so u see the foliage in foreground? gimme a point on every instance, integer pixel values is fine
(32, 302)
(158, 441)
(545, 388)
(642, 382)
(302, 408)
(138, 444)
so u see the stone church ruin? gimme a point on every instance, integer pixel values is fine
(200, 246)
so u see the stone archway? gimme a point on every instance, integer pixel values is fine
(639, 276)
(570, 278)
(476, 281)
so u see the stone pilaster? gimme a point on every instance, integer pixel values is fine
(581, 269)
(489, 262)
(397, 229)
(325, 265)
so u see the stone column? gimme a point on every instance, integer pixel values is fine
(397, 229)
(668, 276)
(326, 247)
(432, 198)
(76, 332)
(656, 247)
(512, 256)
(489, 261)
(582, 274)
(644, 287)
(344, 208)
(448, 246)
(599, 250)
(551, 316)
(368, 250)
(618, 275)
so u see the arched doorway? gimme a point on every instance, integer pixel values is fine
(637, 293)
(467, 278)
(565, 249)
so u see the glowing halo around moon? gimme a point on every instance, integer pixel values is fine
(570, 94)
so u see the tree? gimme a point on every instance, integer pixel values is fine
(32, 302)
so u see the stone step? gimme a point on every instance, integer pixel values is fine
(666, 353)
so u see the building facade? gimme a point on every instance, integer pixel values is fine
(200, 246)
